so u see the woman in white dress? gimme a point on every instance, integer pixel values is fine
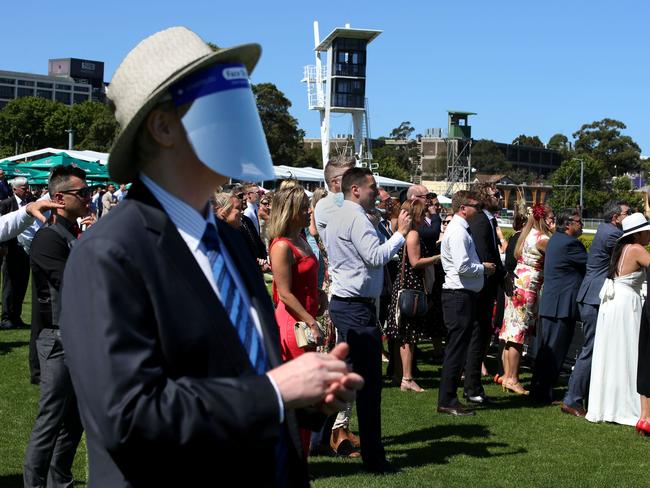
(613, 395)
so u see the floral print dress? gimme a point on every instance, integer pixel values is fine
(520, 315)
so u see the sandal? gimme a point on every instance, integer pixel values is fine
(408, 384)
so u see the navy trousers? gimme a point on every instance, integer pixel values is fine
(553, 341)
(356, 324)
(459, 312)
(579, 382)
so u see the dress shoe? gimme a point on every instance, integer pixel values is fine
(479, 399)
(383, 467)
(7, 324)
(457, 411)
(577, 411)
(341, 444)
(643, 428)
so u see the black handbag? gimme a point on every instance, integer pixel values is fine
(411, 303)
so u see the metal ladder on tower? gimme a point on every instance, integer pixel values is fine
(367, 142)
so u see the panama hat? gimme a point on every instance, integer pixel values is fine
(143, 78)
(634, 223)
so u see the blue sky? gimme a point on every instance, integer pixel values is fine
(525, 67)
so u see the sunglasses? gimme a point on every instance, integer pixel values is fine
(239, 195)
(446, 222)
(84, 192)
(265, 203)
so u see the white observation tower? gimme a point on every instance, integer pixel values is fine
(339, 85)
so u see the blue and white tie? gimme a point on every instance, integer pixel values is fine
(233, 302)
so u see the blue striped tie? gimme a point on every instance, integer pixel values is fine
(232, 302)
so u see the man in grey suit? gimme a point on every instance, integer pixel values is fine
(564, 268)
(588, 299)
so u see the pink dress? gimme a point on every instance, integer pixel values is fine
(520, 315)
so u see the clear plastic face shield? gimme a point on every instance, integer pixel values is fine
(222, 122)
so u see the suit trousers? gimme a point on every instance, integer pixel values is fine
(15, 276)
(552, 345)
(356, 324)
(479, 342)
(57, 429)
(579, 382)
(459, 311)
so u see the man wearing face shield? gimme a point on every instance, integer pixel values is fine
(176, 363)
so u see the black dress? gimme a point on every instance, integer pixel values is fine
(409, 331)
(643, 365)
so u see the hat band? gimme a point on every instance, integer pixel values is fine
(210, 80)
(644, 224)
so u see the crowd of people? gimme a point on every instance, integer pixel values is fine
(153, 330)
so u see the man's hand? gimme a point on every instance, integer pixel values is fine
(317, 379)
(89, 220)
(490, 268)
(36, 209)
(403, 223)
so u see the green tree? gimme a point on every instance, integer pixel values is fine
(488, 158)
(622, 190)
(283, 136)
(558, 142)
(603, 140)
(531, 141)
(403, 132)
(32, 123)
(566, 185)
(94, 125)
(389, 168)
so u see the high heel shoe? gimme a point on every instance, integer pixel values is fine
(498, 379)
(643, 428)
(408, 384)
(515, 387)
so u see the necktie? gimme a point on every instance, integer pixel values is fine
(232, 302)
(493, 221)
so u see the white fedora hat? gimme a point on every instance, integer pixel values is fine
(634, 223)
(143, 78)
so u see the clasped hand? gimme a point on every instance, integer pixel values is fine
(318, 379)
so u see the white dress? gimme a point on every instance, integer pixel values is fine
(612, 391)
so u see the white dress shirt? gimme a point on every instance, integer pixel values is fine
(323, 212)
(191, 226)
(14, 223)
(251, 212)
(356, 257)
(460, 261)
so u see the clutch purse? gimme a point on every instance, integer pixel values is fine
(304, 336)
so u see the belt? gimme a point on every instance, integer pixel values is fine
(460, 290)
(370, 301)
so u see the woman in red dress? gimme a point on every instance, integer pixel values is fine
(295, 273)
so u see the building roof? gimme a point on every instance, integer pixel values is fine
(368, 34)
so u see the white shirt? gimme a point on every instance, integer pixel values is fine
(356, 257)
(323, 212)
(251, 212)
(25, 238)
(460, 261)
(14, 223)
(191, 226)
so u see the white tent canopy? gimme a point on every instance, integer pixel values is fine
(282, 172)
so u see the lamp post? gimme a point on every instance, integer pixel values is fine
(582, 178)
(19, 148)
(70, 138)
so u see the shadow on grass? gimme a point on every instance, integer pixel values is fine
(432, 448)
(7, 347)
(11, 480)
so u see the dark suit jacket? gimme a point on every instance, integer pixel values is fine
(564, 267)
(483, 237)
(600, 253)
(430, 234)
(252, 238)
(5, 189)
(166, 392)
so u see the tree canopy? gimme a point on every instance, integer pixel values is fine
(403, 131)
(558, 142)
(531, 141)
(566, 185)
(488, 158)
(603, 141)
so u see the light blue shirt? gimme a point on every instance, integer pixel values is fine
(356, 257)
(324, 211)
(191, 226)
(460, 261)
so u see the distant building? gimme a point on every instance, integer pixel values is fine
(69, 81)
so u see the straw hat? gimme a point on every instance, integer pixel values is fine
(142, 80)
(634, 223)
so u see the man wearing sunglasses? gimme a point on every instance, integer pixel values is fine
(57, 429)
(252, 194)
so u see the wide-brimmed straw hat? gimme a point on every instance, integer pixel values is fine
(634, 223)
(143, 78)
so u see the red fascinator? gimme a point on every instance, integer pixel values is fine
(539, 212)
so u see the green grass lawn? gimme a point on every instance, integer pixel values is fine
(514, 443)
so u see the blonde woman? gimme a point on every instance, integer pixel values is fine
(520, 315)
(228, 207)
